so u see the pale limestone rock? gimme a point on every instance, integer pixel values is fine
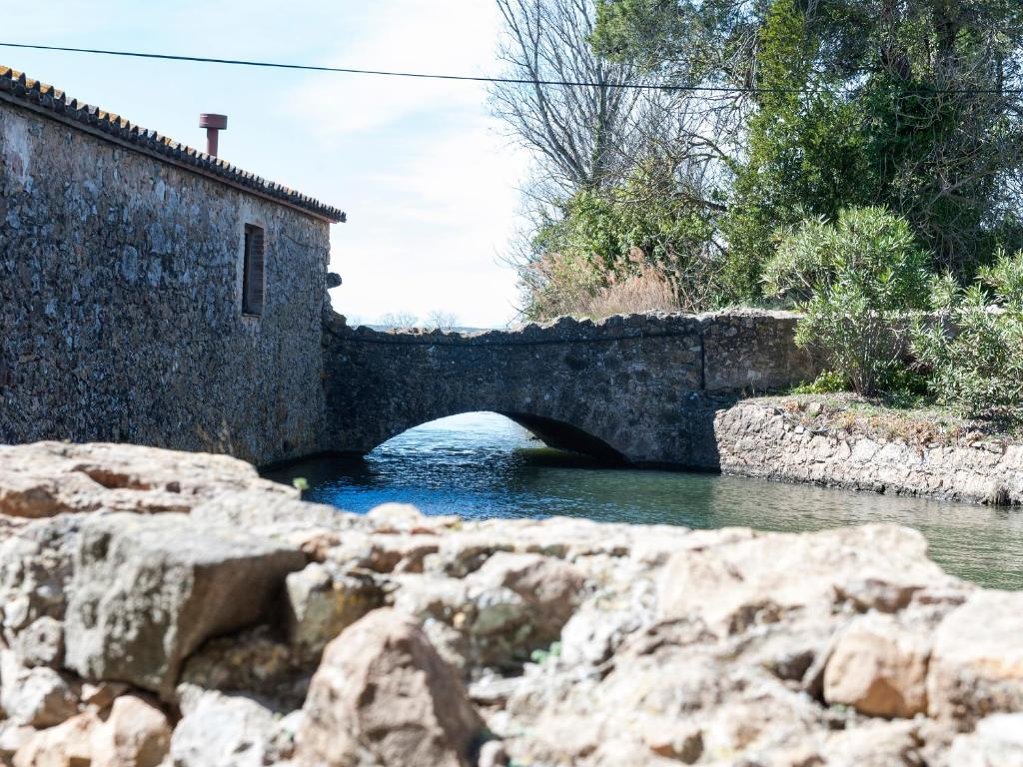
(39, 697)
(321, 605)
(625, 751)
(996, 742)
(976, 665)
(12, 737)
(493, 754)
(674, 639)
(277, 516)
(522, 602)
(875, 744)
(219, 730)
(35, 568)
(397, 517)
(670, 738)
(441, 606)
(756, 582)
(101, 695)
(67, 745)
(388, 552)
(41, 643)
(149, 590)
(135, 734)
(383, 696)
(879, 669)
(602, 623)
(50, 478)
(253, 661)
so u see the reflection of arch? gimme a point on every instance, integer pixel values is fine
(553, 433)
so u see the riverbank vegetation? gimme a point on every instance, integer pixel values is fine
(859, 160)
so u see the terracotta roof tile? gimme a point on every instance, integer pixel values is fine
(40, 95)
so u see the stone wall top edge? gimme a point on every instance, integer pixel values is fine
(562, 330)
(567, 329)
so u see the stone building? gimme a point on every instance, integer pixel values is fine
(149, 292)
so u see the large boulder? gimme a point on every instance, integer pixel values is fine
(879, 669)
(67, 745)
(322, 604)
(976, 665)
(996, 742)
(735, 586)
(50, 478)
(35, 569)
(148, 590)
(383, 696)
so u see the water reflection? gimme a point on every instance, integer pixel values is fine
(482, 465)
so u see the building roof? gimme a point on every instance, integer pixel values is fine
(45, 99)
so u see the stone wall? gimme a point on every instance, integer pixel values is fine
(643, 388)
(120, 316)
(765, 439)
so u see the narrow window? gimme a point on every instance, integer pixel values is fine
(252, 279)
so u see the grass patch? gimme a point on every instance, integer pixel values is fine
(913, 418)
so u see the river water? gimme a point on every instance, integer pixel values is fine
(482, 465)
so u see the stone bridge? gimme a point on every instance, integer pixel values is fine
(641, 389)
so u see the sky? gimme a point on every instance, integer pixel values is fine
(429, 179)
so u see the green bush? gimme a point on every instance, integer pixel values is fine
(827, 382)
(854, 281)
(975, 349)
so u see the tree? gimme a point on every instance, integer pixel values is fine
(914, 104)
(626, 180)
(580, 135)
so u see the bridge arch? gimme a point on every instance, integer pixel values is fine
(643, 388)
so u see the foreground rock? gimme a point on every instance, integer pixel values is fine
(382, 695)
(148, 591)
(51, 478)
(248, 628)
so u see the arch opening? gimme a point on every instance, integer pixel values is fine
(555, 434)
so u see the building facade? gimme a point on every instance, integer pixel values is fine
(151, 293)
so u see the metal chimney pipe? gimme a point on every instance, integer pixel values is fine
(213, 124)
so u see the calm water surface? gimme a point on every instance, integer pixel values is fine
(482, 465)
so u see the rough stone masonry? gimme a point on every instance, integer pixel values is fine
(643, 388)
(121, 269)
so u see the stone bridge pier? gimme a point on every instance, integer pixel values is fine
(641, 389)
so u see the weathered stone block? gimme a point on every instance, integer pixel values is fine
(879, 669)
(382, 695)
(976, 666)
(753, 350)
(147, 591)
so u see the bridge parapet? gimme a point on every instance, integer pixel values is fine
(642, 388)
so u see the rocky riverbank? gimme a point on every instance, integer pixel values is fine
(171, 609)
(835, 442)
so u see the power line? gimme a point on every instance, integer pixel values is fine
(380, 72)
(722, 89)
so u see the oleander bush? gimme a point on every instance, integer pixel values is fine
(975, 348)
(854, 280)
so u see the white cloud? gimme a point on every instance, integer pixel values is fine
(454, 37)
